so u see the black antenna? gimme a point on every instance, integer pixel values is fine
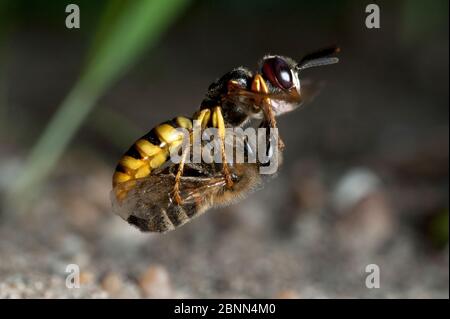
(319, 58)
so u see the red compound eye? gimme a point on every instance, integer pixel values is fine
(277, 71)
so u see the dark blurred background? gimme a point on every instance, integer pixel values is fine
(365, 179)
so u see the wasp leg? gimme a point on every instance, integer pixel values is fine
(202, 117)
(259, 86)
(176, 187)
(273, 123)
(219, 123)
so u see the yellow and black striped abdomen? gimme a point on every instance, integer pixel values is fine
(151, 150)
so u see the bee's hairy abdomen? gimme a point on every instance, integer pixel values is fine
(165, 219)
(162, 217)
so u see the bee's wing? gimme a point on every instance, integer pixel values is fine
(147, 202)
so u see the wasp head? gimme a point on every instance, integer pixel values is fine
(279, 77)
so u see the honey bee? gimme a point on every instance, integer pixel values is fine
(155, 194)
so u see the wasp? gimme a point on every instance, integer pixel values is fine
(155, 194)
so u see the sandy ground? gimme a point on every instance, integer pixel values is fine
(302, 248)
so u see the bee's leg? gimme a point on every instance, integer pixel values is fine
(259, 86)
(219, 123)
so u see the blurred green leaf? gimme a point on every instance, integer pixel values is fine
(422, 19)
(123, 34)
(104, 119)
(4, 28)
(438, 229)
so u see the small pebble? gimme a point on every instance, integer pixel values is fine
(112, 283)
(287, 294)
(86, 278)
(155, 283)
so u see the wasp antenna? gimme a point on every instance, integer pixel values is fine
(319, 58)
(317, 62)
(325, 52)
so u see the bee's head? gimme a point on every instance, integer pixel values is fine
(281, 75)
